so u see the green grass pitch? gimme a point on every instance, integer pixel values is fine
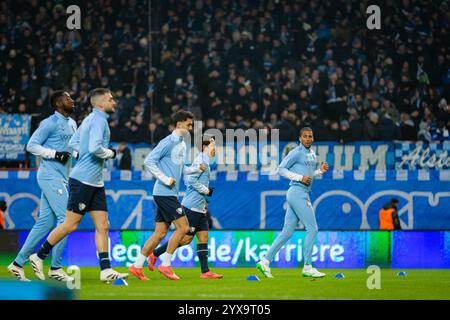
(287, 284)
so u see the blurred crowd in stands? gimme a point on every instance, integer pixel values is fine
(237, 64)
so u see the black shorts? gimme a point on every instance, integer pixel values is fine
(197, 221)
(168, 209)
(83, 197)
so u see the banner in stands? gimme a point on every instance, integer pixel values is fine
(351, 156)
(343, 200)
(14, 135)
(422, 156)
(333, 249)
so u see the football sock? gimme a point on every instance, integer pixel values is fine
(140, 261)
(167, 259)
(44, 251)
(105, 262)
(202, 253)
(307, 267)
(160, 250)
(17, 265)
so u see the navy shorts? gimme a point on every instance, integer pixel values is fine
(83, 197)
(197, 221)
(168, 209)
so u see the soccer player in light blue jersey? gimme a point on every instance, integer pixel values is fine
(194, 205)
(166, 162)
(86, 186)
(300, 166)
(50, 141)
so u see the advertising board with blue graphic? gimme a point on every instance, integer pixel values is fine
(343, 200)
(333, 249)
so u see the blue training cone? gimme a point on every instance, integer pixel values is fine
(401, 274)
(339, 276)
(252, 278)
(120, 282)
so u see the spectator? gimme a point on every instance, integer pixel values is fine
(424, 134)
(387, 130)
(356, 127)
(155, 133)
(335, 133)
(345, 133)
(370, 131)
(61, 73)
(388, 216)
(442, 133)
(3, 207)
(125, 156)
(407, 128)
(286, 125)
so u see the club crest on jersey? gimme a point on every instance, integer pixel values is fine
(191, 229)
(81, 206)
(311, 156)
(180, 211)
(59, 192)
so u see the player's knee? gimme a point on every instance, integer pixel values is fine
(288, 230)
(69, 227)
(45, 225)
(102, 228)
(186, 241)
(160, 235)
(287, 234)
(184, 229)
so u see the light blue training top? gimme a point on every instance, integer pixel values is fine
(300, 162)
(167, 160)
(92, 141)
(198, 186)
(52, 135)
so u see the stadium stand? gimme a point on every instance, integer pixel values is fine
(237, 64)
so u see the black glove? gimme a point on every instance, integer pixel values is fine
(62, 156)
(210, 193)
(115, 153)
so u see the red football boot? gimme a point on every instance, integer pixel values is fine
(138, 273)
(168, 272)
(211, 275)
(151, 261)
